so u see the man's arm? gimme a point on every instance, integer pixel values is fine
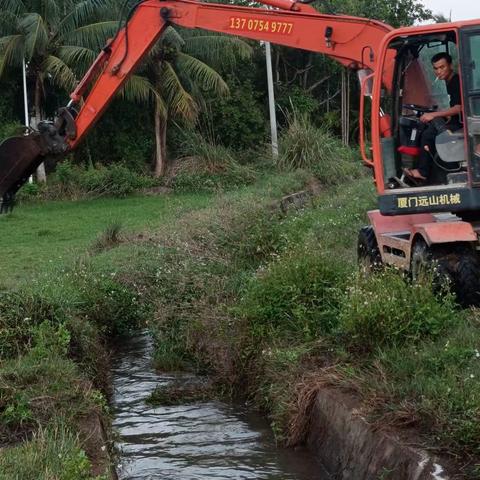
(450, 112)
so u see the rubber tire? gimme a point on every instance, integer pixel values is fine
(425, 259)
(467, 282)
(368, 253)
(420, 260)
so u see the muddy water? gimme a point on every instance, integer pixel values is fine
(200, 441)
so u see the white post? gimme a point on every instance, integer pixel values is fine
(271, 101)
(25, 101)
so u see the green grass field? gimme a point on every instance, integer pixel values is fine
(37, 237)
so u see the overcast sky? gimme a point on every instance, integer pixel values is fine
(461, 9)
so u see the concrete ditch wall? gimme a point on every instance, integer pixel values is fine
(351, 449)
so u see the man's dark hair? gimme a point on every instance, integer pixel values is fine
(442, 55)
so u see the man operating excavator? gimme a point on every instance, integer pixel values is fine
(441, 120)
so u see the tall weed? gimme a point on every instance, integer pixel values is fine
(296, 296)
(303, 145)
(206, 166)
(439, 380)
(385, 310)
(52, 453)
(20, 313)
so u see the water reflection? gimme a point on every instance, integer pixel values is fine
(208, 440)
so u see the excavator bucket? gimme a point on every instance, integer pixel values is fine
(19, 158)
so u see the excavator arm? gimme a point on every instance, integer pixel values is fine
(352, 41)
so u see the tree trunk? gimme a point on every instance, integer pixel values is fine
(41, 175)
(160, 143)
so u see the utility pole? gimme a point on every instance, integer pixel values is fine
(25, 99)
(271, 101)
(25, 102)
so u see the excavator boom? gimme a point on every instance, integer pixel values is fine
(352, 41)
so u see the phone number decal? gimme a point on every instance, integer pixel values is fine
(256, 25)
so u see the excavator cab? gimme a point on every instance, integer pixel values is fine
(416, 91)
(436, 224)
(454, 181)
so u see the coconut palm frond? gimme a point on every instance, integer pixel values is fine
(138, 89)
(179, 101)
(36, 34)
(12, 51)
(8, 23)
(217, 49)
(172, 37)
(86, 12)
(79, 58)
(60, 73)
(50, 11)
(93, 36)
(14, 6)
(202, 74)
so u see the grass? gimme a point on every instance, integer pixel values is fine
(90, 282)
(51, 454)
(42, 237)
(56, 310)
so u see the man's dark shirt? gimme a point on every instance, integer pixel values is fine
(453, 89)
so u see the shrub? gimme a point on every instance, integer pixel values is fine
(115, 180)
(114, 306)
(70, 181)
(298, 295)
(385, 310)
(237, 120)
(51, 453)
(293, 96)
(208, 167)
(20, 313)
(30, 191)
(303, 145)
(10, 129)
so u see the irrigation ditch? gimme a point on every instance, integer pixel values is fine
(174, 426)
(186, 437)
(170, 426)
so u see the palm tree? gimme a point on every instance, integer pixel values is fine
(57, 39)
(177, 71)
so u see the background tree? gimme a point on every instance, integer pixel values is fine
(179, 70)
(57, 39)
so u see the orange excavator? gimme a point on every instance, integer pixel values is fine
(414, 226)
